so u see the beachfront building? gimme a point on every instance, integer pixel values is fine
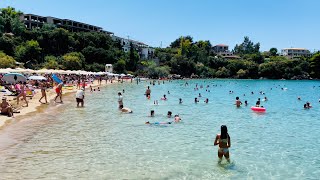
(32, 21)
(144, 50)
(295, 52)
(222, 50)
(109, 68)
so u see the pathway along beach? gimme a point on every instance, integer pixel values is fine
(99, 142)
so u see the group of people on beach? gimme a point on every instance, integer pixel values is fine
(23, 90)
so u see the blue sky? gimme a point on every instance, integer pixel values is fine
(273, 23)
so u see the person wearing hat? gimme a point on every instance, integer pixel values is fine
(80, 97)
(6, 108)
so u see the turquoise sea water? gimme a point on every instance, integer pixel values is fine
(99, 142)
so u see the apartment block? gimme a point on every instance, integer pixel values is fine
(295, 52)
(33, 21)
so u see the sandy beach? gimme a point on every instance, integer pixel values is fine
(34, 103)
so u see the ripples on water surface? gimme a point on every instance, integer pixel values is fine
(98, 142)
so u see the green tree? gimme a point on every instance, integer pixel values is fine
(120, 66)
(6, 61)
(246, 47)
(155, 72)
(51, 62)
(177, 43)
(7, 44)
(10, 21)
(241, 73)
(182, 65)
(273, 51)
(60, 41)
(95, 67)
(315, 65)
(223, 72)
(28, 53)
(133, 59)
(73, 61)
(96, 55)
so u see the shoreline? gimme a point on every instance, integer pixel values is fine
(34, 104)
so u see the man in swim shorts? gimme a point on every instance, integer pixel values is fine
(80, 97)
(58, 92)
(148, 92)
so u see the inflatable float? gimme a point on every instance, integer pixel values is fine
(258, 109)
(56, 79)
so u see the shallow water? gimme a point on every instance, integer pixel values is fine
(98, 142)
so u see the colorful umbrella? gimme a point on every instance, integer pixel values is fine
(14, 78)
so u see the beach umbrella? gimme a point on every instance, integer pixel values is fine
(37, 78)
(14, 77)
(18, 70)
(4, 71)
(43, 71)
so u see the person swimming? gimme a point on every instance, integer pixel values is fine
(308, 104)
(157, 123)
(152, 113)
(177, 118)
(224, 142)
(125, 109)
(196, 100)
(164, 97)
(180, 101)
(206, 101)
(169, 114)
(246, 103)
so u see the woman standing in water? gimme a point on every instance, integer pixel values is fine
(224, 142)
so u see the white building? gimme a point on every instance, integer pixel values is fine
(295, 52)
(147, 53)
(144, 50)
(109, 68)
(222, 50)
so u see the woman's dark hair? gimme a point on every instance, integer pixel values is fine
(224, 132)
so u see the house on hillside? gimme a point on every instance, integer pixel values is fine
(295, 52)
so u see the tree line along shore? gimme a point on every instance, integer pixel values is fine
(56, 48)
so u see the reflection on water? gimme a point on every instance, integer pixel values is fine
(98, 142)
